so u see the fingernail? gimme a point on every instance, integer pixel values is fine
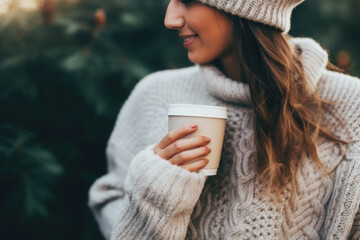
(208, 149)
(194, 125)
(207, 140)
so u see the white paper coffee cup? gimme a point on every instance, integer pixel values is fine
(211, 123)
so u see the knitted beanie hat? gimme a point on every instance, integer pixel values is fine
(276, 13)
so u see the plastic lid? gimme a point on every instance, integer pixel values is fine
(209, 172)
(192, 110)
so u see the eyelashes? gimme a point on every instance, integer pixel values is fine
(186, 2)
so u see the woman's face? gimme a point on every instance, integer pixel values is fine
(205, 30)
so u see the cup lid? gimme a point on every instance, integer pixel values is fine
(197, 111)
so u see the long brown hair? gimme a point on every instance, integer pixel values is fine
(286, 114)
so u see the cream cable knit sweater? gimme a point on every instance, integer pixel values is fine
(145, 197)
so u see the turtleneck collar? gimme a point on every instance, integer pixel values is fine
(313, 57)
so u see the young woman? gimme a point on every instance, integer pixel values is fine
(290, 166)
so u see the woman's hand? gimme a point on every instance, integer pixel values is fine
(187, 153)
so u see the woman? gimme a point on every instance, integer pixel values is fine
(290, 165)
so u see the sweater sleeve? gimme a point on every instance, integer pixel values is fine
(343, 207)
(142, 196)
(355, 230)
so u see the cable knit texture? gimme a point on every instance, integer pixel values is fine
(276, 13)
(145, 197)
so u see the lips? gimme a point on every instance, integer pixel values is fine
(189, 39)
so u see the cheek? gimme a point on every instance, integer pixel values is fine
(217, 44)
(214, 43)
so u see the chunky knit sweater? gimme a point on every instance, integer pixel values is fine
(145, 197)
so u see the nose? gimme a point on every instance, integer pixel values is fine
(174, 17)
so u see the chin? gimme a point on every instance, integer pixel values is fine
(199, 59)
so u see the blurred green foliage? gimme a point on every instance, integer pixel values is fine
(65, 71)
(336, 26)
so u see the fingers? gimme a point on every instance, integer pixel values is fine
(177, 134)
(195, 166)
(185, 144)
(189, 155)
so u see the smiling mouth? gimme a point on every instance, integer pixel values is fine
(190, 38)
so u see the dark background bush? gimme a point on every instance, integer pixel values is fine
(66, 69)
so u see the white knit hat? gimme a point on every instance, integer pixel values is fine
(276, 13)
